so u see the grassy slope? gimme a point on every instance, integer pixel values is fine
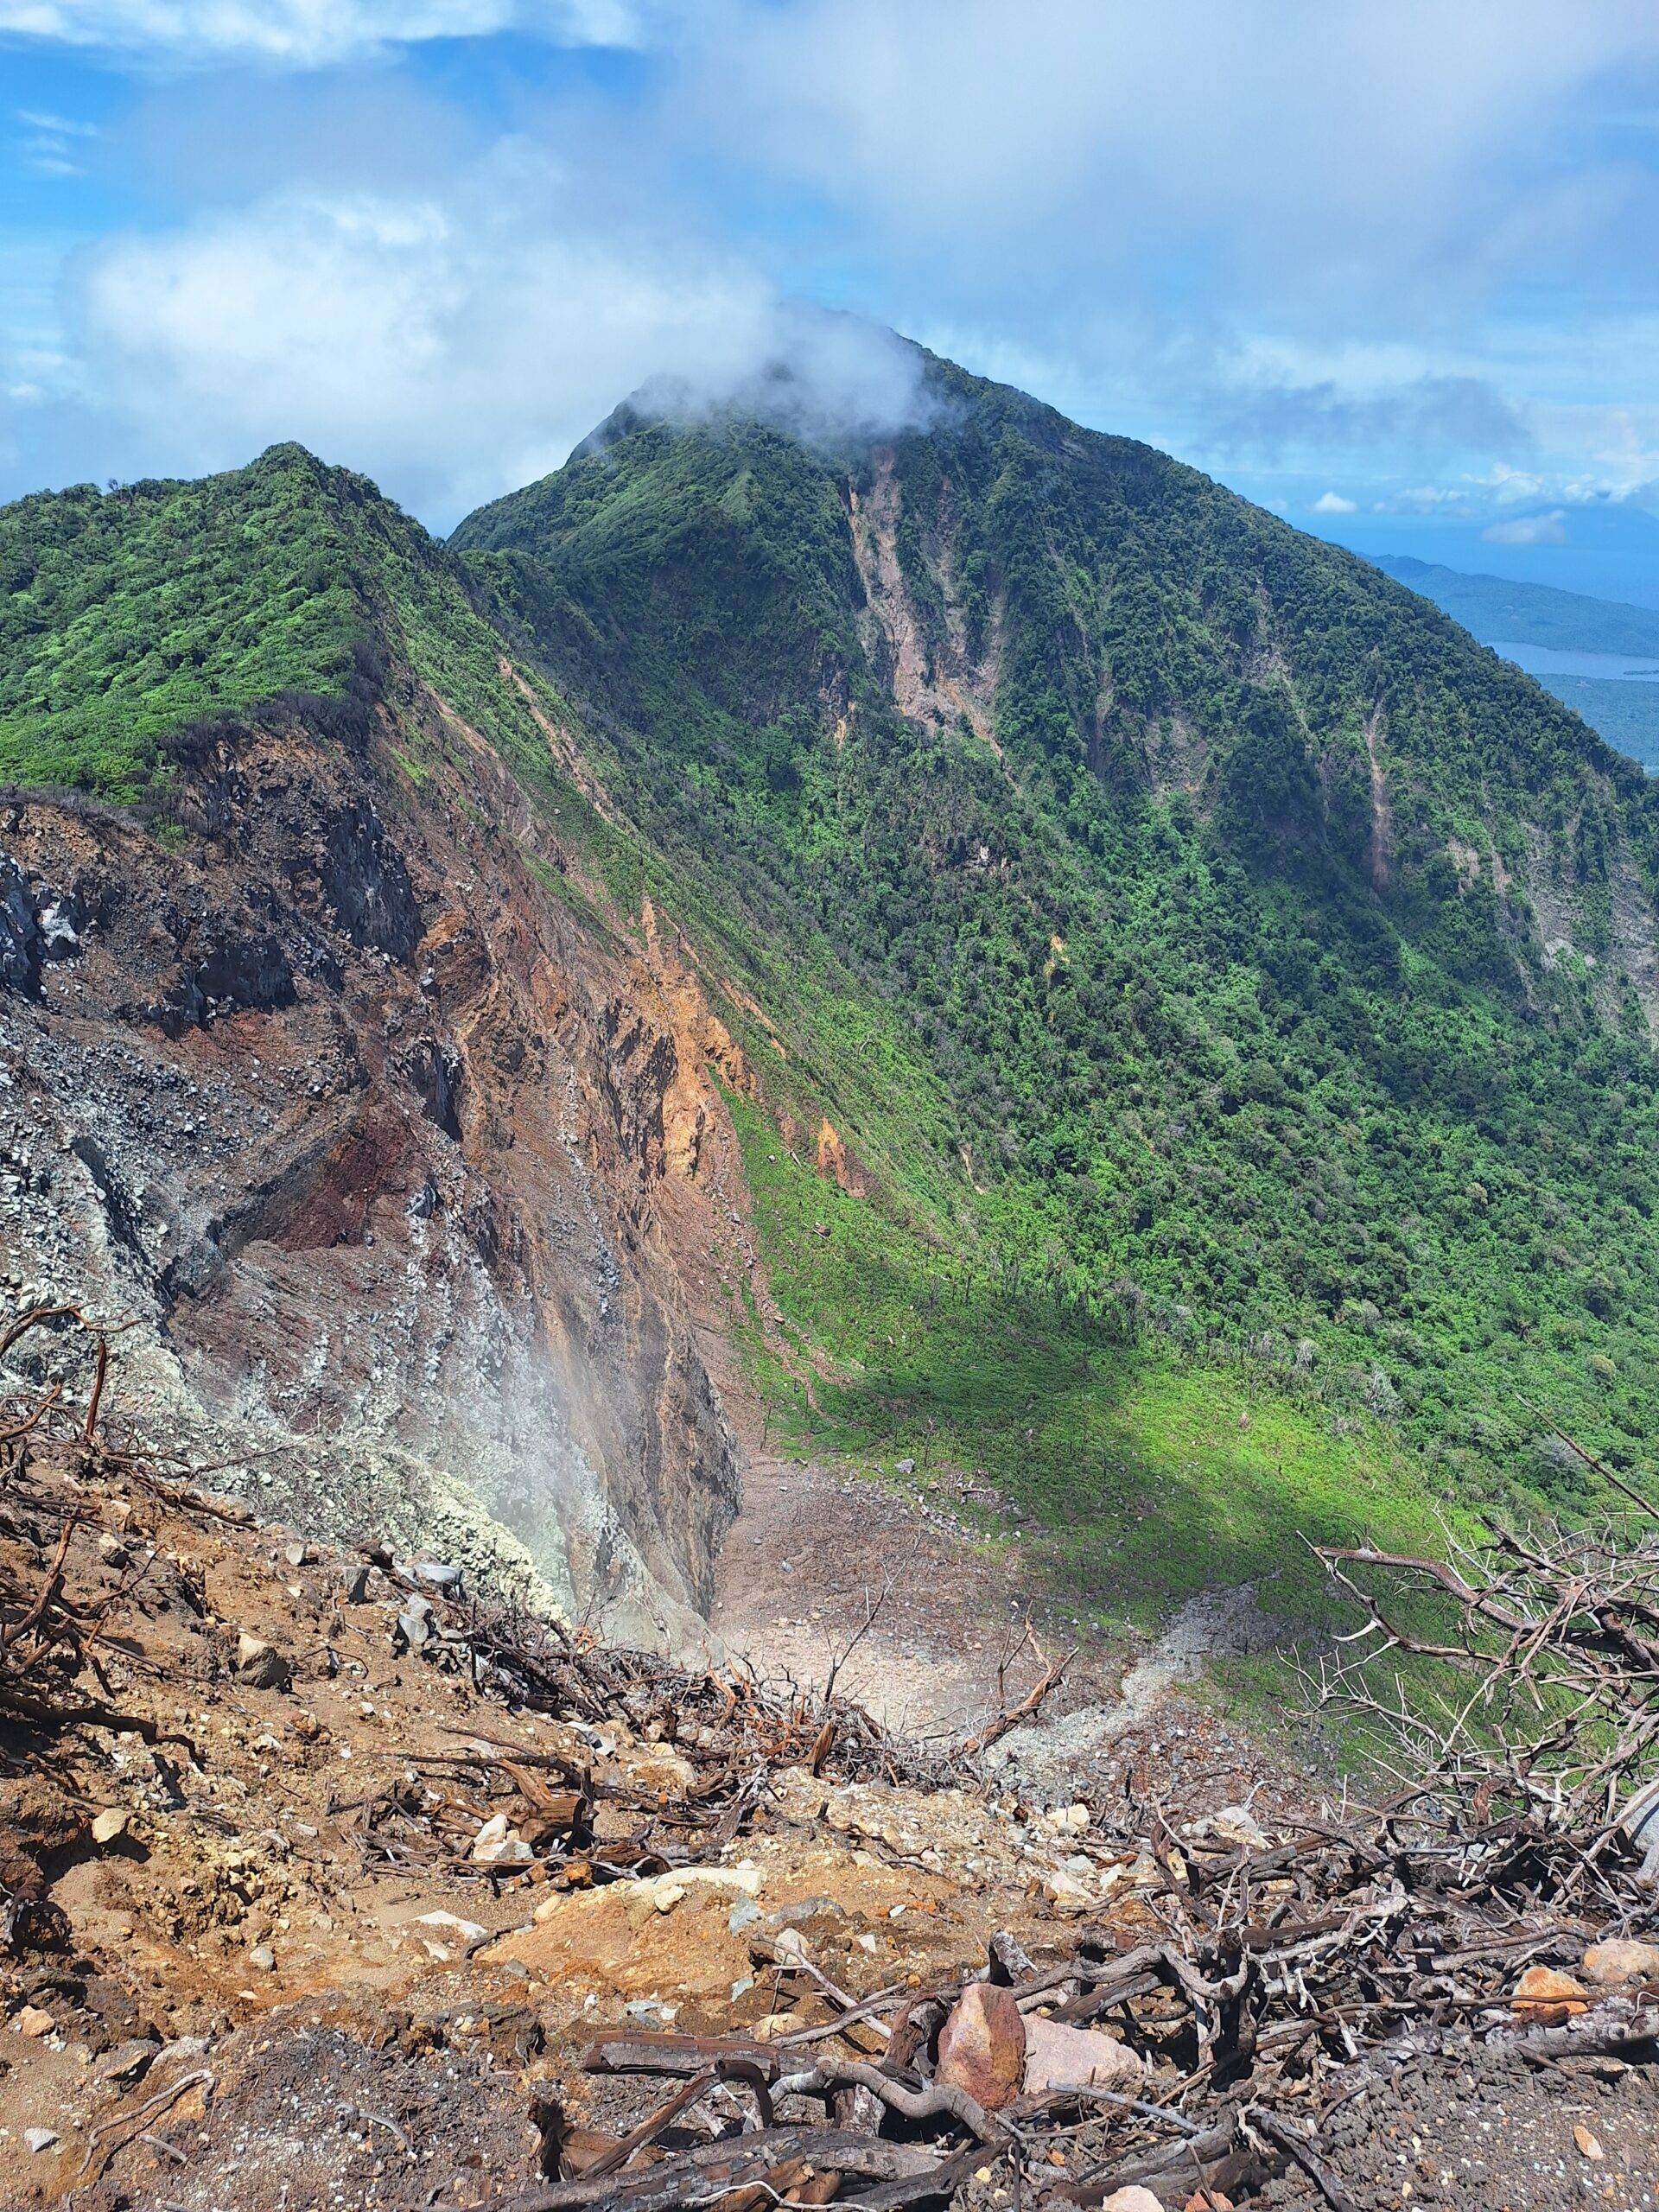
(1153, 1473)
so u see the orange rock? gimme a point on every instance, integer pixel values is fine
(982, 2045)
(1544, 1999)
(836, 1163)
(1609, 1964)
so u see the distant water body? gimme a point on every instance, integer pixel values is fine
(1616, 668)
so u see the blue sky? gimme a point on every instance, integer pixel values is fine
(1390, 269)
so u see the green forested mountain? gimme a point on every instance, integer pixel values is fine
(127, 615)
(1231, 987)
(1282, 960)
(1624, 713)
(124, 613)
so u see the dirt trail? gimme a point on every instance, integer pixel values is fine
(1217, 1624)
(813, 1548)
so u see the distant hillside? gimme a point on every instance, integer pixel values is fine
(1626, 714)
(1498, 611)
(1502, 612)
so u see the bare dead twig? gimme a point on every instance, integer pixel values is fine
(1052, 1673)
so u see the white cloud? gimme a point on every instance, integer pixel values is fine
(1332, 503)
(1028, 144)
(1528, 529)
(52, 143)
(56, 126)
(308, 34)
(1424, 499)
(1511, 487)
(1184, 222)
(453, 346)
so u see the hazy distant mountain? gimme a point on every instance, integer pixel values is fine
(1498, 611)
(1502, 612)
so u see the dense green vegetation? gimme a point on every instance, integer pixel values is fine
(124, 614)
(1236, 1066)
(1499, 613)
(1192, 1083)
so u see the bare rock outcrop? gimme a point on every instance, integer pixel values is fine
(387, 1154)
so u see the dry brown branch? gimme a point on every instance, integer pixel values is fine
(1542, 1703)
(98, 2158)
(1052, 1673)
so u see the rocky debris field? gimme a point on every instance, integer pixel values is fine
(910, 1588)
(326, 1880)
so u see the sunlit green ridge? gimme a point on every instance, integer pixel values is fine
(1215, 964)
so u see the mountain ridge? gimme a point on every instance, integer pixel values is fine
(1496, 775)
(1081, 938)
(351, 1098)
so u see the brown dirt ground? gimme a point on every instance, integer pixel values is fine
(239, 1928)
(247, 2011)
(815, 1548)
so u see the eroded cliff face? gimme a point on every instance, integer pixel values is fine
(389, 1149)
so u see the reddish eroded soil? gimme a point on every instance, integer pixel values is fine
(368, 1137)
(239, 2000)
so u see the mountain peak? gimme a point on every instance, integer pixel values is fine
(1150, 848)
(833, 382)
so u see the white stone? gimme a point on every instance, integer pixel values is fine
(468, 1931)
(497, 1844)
